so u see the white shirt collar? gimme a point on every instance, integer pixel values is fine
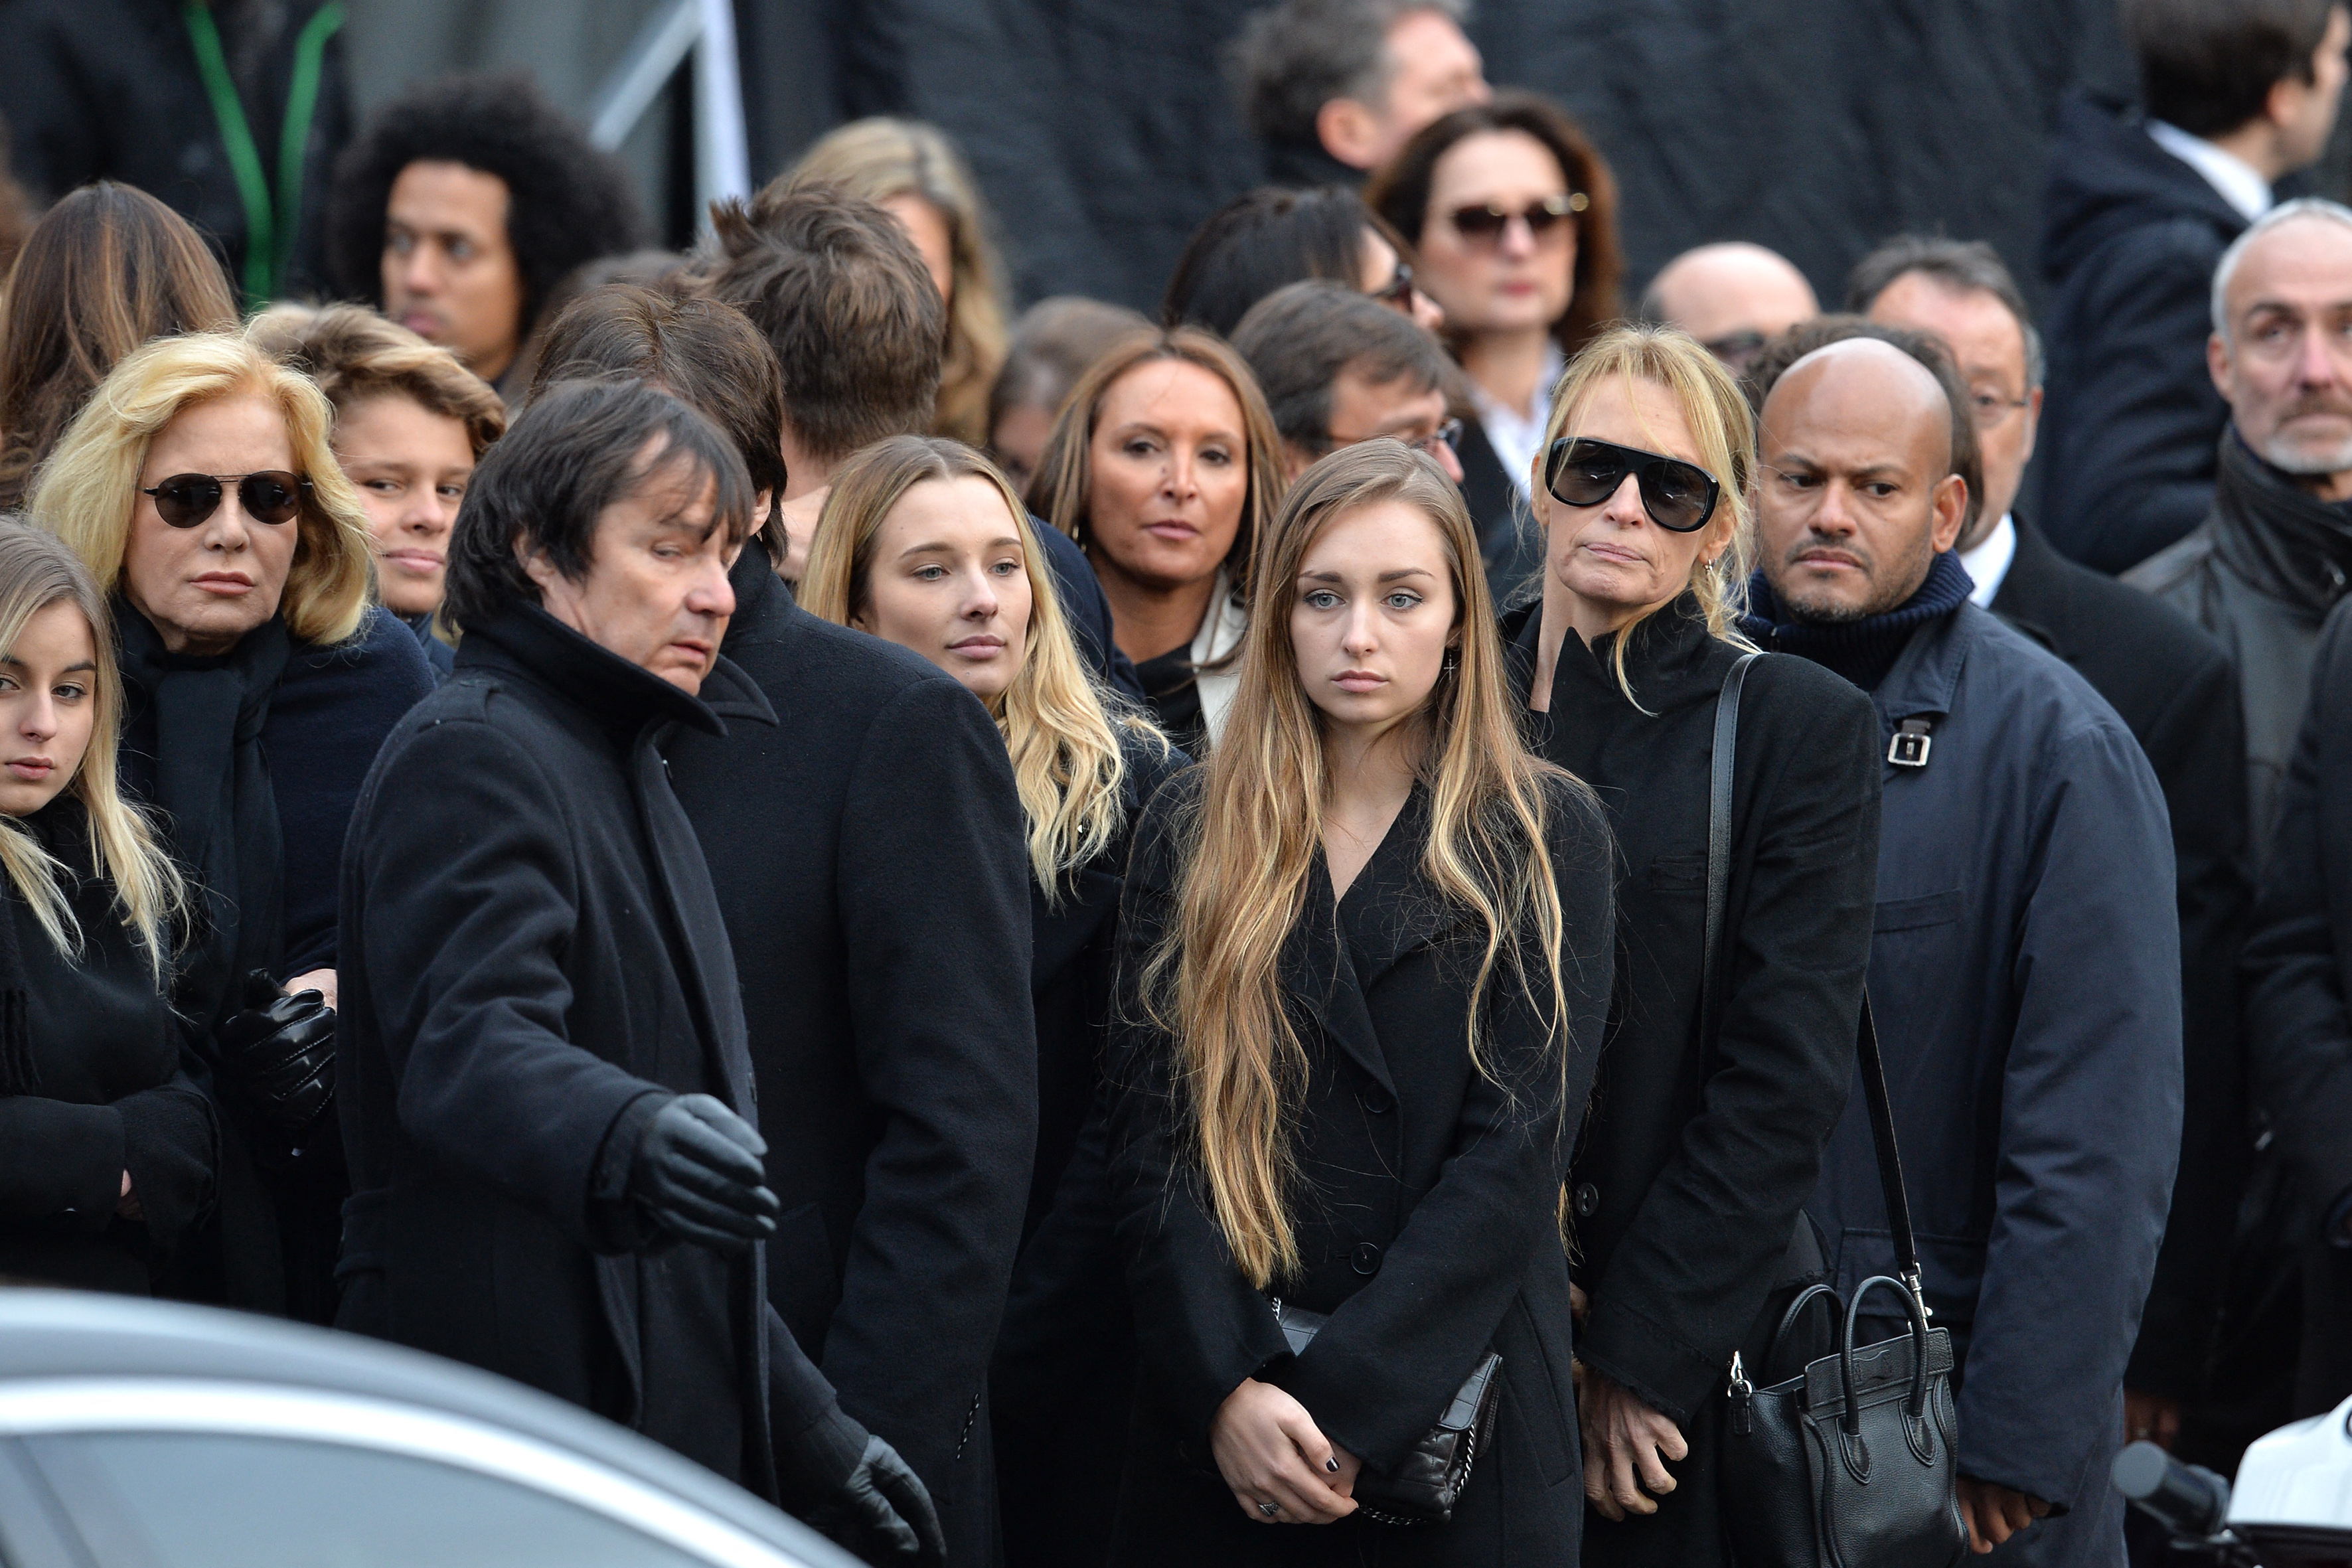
(1517, 434)
(2239, 182)
(1987, 563)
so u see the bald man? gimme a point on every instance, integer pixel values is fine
(1734, 298)
(2025, 966)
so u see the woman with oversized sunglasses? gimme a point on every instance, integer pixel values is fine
(261, 676)
(1512, 216)
(1687, 1192)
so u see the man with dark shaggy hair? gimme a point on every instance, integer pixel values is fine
(462, 204)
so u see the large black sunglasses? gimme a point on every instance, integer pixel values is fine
(1678, 496)
(272, 496)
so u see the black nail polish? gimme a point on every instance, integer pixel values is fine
(1332, 1466)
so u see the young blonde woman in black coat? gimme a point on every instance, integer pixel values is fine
(106, 1150)
(1687, 1188)
(1364, 969)
(923, 543)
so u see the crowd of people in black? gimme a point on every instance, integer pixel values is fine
(1033, 937)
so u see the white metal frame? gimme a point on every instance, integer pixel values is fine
(704, 28)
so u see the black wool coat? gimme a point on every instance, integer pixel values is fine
(92, 1087)
(1690, 1182)
(2175, 688)
(869, 855)
(533, 965)
(1426, 1215)
(2298, 971)
(252, 760)
(1061, 1385)
(2130, 238)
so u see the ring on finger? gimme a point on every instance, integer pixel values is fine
(1270, 1508)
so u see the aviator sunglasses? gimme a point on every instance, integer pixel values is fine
(1678, 496)
(271, 496)
(1484, 225)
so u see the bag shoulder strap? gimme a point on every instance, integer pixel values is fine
(1872, 1066)
(1718, 840)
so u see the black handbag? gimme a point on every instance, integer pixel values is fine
(1424, 1489)
(1852, 1464)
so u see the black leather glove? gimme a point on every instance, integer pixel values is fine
(853, 1487)
(697, 1172)
(280, 1052)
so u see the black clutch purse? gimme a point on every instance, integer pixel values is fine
(1424, 1489)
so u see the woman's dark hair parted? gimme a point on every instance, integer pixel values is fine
(1256, 244)
(106, 270)
(1400, 193)
(568, 202)
(577, 449)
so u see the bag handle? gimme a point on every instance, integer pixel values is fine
(1873, 1067)
(1916, 1404)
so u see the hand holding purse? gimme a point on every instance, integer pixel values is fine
(1426, 1487)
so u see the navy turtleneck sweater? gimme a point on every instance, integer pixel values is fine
(1864, 650)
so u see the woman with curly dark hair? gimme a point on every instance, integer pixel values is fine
(1513, 218)
(463, 203)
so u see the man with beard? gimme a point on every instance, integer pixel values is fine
(2275, 553)
(2025, 959)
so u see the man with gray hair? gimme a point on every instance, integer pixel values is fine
(2275, 553)
(1334, 88)
(2174, 688)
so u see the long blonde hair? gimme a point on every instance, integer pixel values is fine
(88, 490)
(881, 158)
(1250, 844)
(1721, 423)
(37, 570)
(1063, 739)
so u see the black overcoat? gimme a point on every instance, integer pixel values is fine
(2298, 1028)
(1508, 541)
(1427, 1220)
(869, 856)
(1694, 1165)
(92, 1086)
(1062, 1381)
(2175, 688)
(532, 966)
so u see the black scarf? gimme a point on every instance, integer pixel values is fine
(192, 748)
(1864, 650)
(2277, 535)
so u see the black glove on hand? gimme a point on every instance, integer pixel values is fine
(697, 1172)
(853, 1487)
(280, 1051)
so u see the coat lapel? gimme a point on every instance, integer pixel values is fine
(1321, 980)
(1392, 909)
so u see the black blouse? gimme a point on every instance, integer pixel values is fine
(97, 1091)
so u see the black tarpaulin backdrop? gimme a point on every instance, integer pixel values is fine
(1103, 130)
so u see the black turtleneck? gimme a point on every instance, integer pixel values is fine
(1864, 650)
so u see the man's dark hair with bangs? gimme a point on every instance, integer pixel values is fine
(575, 452)
(702, 351)
(567, 201)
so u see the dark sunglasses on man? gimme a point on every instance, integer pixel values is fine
(1484, 225)
(270, 495)
(1678, 496)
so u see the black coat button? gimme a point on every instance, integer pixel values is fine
(1365, 1259)
(1379, 1102)
(1588, 1199)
